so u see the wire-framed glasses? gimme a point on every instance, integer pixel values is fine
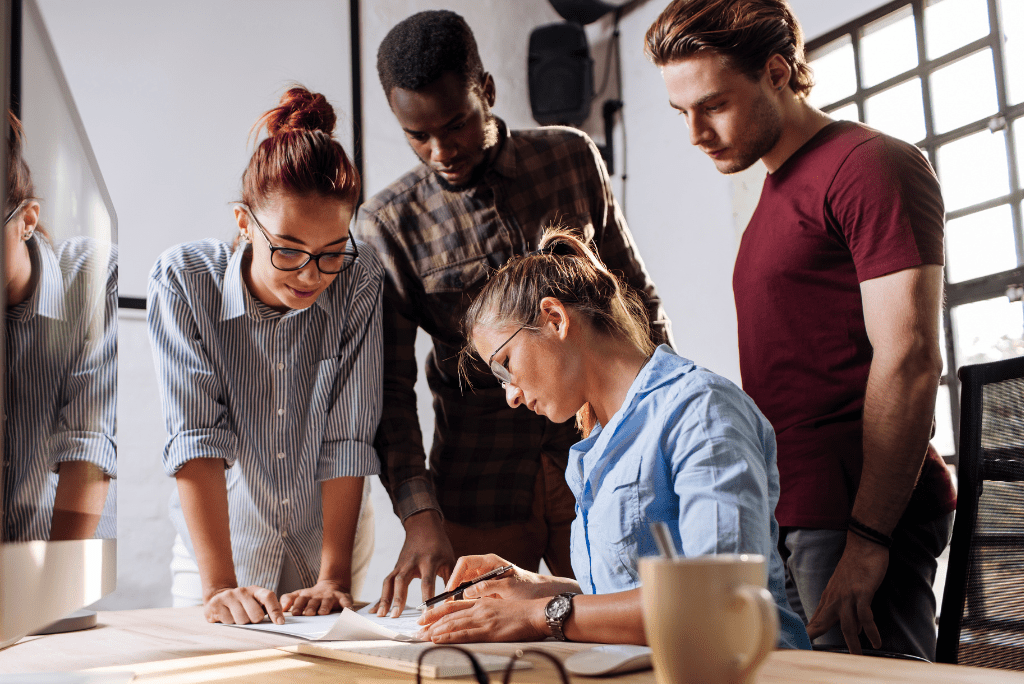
(499, 370)
(17, 209)
(289, 259)
(527, 665)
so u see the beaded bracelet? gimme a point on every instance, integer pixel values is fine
(869, 533)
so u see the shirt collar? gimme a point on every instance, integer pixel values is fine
(48, 298)
(504, 163)
(236, 299)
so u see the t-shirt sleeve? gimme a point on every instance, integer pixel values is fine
(885, 203)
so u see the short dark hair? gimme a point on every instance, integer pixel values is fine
(745, 32)
(420, 49)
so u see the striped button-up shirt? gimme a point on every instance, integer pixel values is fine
(438, 248)
(61, 382)
(287, 400)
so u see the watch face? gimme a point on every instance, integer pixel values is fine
(557, 607)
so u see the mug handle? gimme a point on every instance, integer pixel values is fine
(761, 600)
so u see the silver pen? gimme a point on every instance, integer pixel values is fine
(457, 591)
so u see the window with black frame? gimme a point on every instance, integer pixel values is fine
(948, 76)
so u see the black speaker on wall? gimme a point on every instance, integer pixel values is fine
(561, 74)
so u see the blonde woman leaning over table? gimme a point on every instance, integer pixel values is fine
(269, 363)
(664, 440)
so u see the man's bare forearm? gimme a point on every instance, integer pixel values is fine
(898, 409)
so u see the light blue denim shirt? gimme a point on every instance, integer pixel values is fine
(688, 448)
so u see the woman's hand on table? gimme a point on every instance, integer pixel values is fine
(320, 599)
(484, 619)
(243, 606)
(515, 584)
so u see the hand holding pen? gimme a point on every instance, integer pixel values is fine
(507, 581)
(458, 591)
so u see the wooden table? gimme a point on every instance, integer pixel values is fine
(176, 645)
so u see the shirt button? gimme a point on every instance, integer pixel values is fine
(281, 455)
(284, 534)
(280, 412)
(285, 502)
(280, 366)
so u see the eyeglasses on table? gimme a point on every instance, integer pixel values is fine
(525, 666)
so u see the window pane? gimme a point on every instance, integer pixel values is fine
(949, 24)
(980, 244)
(1012, 21)
(846, 113)
(1018, 136)
(988, 331)
(943, 439)
(888, 47)
(898, 111)
(973, 169)
(834, 74)
(964, 91)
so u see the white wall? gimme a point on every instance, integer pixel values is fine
(168, 91)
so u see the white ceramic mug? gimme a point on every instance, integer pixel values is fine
(708, 619)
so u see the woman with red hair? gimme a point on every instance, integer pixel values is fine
(269, 361)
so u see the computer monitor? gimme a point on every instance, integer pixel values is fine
(41, 579)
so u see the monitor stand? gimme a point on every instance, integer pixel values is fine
(76, 621)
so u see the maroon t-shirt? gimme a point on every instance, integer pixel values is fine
(850, 205)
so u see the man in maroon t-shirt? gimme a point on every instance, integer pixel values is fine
(838, 284)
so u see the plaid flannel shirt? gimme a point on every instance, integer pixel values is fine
(438, 247)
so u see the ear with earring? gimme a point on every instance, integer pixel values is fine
(27, 235)
(243, 236)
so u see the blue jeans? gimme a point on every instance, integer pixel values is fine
(904, 605)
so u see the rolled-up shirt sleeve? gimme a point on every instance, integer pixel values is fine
(352, 419)
(191, 392)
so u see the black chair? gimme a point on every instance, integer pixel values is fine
(982, 618)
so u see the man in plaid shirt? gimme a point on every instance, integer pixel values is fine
(481, 195)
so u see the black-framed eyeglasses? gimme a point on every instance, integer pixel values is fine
(499, 370)
(522, 659)
(17, 209)
(290, 259)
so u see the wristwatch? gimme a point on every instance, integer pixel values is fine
(557, 612)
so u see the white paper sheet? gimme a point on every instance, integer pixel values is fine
(345, 626)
